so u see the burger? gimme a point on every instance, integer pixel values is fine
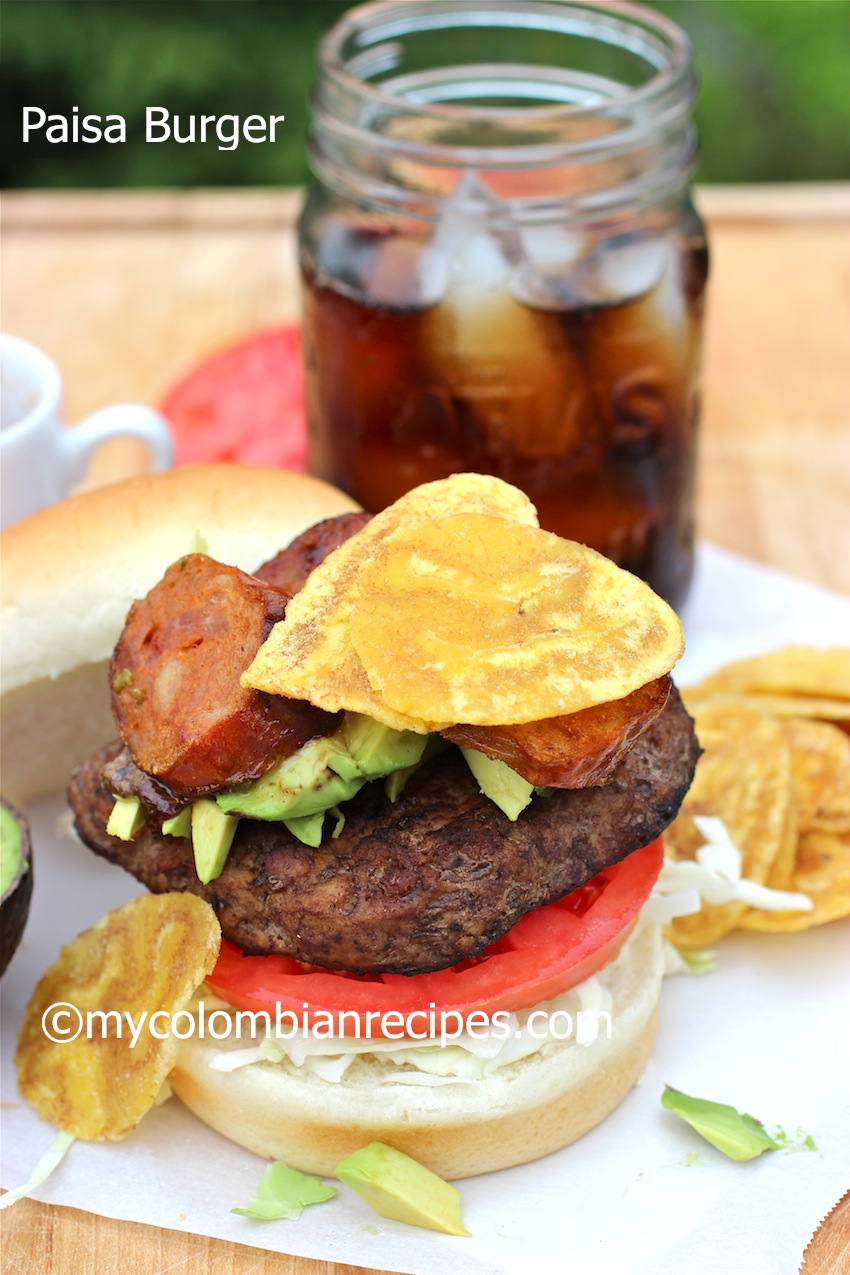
(418, 764)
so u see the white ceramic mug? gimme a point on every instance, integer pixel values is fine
(40, 458)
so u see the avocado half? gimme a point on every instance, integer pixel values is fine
(15, 903)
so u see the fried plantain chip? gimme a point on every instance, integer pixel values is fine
(820, 708)
(149, 955)
(790, 671)
(822, 871)
(744, 778)
(820, 764)
(469, 618)
(805, 691)
(309, 655)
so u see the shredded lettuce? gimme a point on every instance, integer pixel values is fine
(714, 876)
(698, 960)
(52, 1157)
(198, 543)
(460, 1060)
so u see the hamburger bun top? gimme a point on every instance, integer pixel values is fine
(72, 570)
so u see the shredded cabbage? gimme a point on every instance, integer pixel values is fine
(714, 876)
(688, 961)
(461, 1060)
(52, 1157)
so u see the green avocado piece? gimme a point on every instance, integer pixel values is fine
(285, 1193)
(736, 1134)
(180, 825)
(325, 772)
(508, 790)
(396, 782)
(307, 828)
(126, 818)
(212, 835)
(319, 775)
(400, 1188)
(378, 749)
(10, 849)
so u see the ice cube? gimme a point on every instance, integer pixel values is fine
(474, 238)
(345, 254)
(551, 249)
(623, 269)
(638, 348)
(432, 272)
(549, 255)
(400, 277)
(469, 242)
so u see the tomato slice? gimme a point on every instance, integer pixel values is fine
(244, 403)
(548, 951)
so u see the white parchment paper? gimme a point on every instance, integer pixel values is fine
(642, 1193)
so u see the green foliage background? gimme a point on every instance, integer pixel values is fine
(774, 101)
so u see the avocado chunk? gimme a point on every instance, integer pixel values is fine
(379, 750)
(180, 825)
(126, 818)
(319, 775)
(307, 828)
(323, 773)
(212, 836)
(396, 782)
(400, 1188)
(508, 790)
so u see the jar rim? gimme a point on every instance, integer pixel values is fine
(383, 19)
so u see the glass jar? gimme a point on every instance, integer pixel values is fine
(502, 267)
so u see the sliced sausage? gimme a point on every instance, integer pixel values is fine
(176, 694)
(578, 750)
(290, 568)
(123, 778)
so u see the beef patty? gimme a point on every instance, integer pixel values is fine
(419, 884)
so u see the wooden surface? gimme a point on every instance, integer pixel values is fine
(128, 290)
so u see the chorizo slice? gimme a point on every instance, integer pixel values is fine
(122, 777)
(290, 568)
(176, 694)
(578, 750)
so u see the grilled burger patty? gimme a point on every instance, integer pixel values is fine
(418, 884)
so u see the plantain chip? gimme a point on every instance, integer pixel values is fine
(149, 955)
(822, 871)
(820, 764)
(309, 654)
(804, 671)
(470, 618)
(744, 778)
(819, 708)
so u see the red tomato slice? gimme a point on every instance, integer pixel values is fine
(548, 951)
(245, 403)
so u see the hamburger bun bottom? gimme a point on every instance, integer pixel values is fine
(526, 1110)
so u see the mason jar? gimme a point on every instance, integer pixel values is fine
(502, 267)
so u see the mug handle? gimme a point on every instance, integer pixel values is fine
(129, 420)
